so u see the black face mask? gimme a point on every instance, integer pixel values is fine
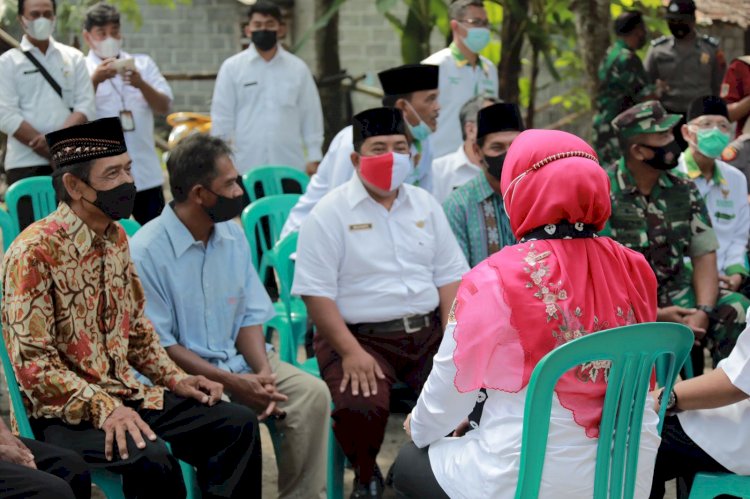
(495, 164)
(679, 30)
(225, 208)
(263, 40)
(117, 203)
(665, 157)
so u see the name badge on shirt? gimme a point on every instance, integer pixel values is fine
(127, 121)
(354, 227)
(420, 224)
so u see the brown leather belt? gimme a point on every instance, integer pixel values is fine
(409, 325)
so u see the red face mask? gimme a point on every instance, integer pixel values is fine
(385, 171)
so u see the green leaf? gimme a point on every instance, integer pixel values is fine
(320, 23)
(384, 6)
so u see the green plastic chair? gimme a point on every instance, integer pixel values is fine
(274, 210)
(291, 307)
(633, 351)
(131, 226)
(7, 228)
(710, 485)
(289, 341)
(271, 180)
(42, 195)
(110, 483)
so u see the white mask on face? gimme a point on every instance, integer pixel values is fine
(109, 47)
(40, 28)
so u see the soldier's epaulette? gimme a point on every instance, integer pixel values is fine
(711, 40)
(660, 40)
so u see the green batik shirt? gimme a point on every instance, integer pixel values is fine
(666, 227)
(623, 82)
(465, 209)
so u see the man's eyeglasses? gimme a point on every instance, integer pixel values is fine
(476, 23)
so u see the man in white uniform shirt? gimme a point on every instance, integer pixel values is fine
(378, 268)
(463, 72)
(722, 186)
(412, 89)
(454, 170)
(265, 102)
(133, 94)
(711, 429)
(30, 105)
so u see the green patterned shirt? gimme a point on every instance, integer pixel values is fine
(465, 209)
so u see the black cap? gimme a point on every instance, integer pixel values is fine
(377, 121)
(709, 104)
(628, 21)
(681, 10)
(95, 139)
(409, 78)
(502, 117)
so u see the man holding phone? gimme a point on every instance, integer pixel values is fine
(131, 88)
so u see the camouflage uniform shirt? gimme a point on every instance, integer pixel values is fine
(623, 82)
(668, 225)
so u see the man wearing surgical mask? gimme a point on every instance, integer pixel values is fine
(722, 186)
(32, 105)
(463, 72)
(133, 93)
(662, 215)
(378, 268)
(475, 210)
(265, 101)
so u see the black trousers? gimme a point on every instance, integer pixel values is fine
(412, 474)
(60, 474)
(222, 442)
(25, 209)
(148, 204)
(681, 458)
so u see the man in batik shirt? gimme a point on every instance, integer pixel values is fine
(72, 316)
(475, 210)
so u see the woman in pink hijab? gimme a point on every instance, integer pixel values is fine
(560, 282)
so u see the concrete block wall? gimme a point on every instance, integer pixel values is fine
(189, 38)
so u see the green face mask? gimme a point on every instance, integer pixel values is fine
(712, 142)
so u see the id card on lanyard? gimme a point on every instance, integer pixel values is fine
(126, 116)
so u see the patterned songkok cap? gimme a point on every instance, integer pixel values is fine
(92, 140)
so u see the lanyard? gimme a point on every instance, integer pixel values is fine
(121, 94)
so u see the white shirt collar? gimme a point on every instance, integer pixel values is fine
(356, 193)
(26, 45)
(252, 52)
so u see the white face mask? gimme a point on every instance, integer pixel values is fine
(109, 47)
(40, 28)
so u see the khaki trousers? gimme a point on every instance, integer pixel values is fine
(303, 452)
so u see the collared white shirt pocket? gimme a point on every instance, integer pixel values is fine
(418, 240)
(287, 92)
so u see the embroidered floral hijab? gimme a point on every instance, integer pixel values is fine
(530, 298)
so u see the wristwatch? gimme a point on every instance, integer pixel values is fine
(671, 400)
(706, 308)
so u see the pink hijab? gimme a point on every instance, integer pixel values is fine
(528, 299)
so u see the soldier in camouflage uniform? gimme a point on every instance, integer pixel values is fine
(623, 82)
(662, 215)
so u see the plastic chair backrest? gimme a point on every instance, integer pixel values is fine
(131, 226)
(280, 259)
(632, 351)
(42, 195)
(8, 229)
(272, 180)
(274, 209)
(16, 401)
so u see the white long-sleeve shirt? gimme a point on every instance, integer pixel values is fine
(25, 95)
(726, 200)
(336, 169)
(114, 96)
(458, 82)
(269, 111)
